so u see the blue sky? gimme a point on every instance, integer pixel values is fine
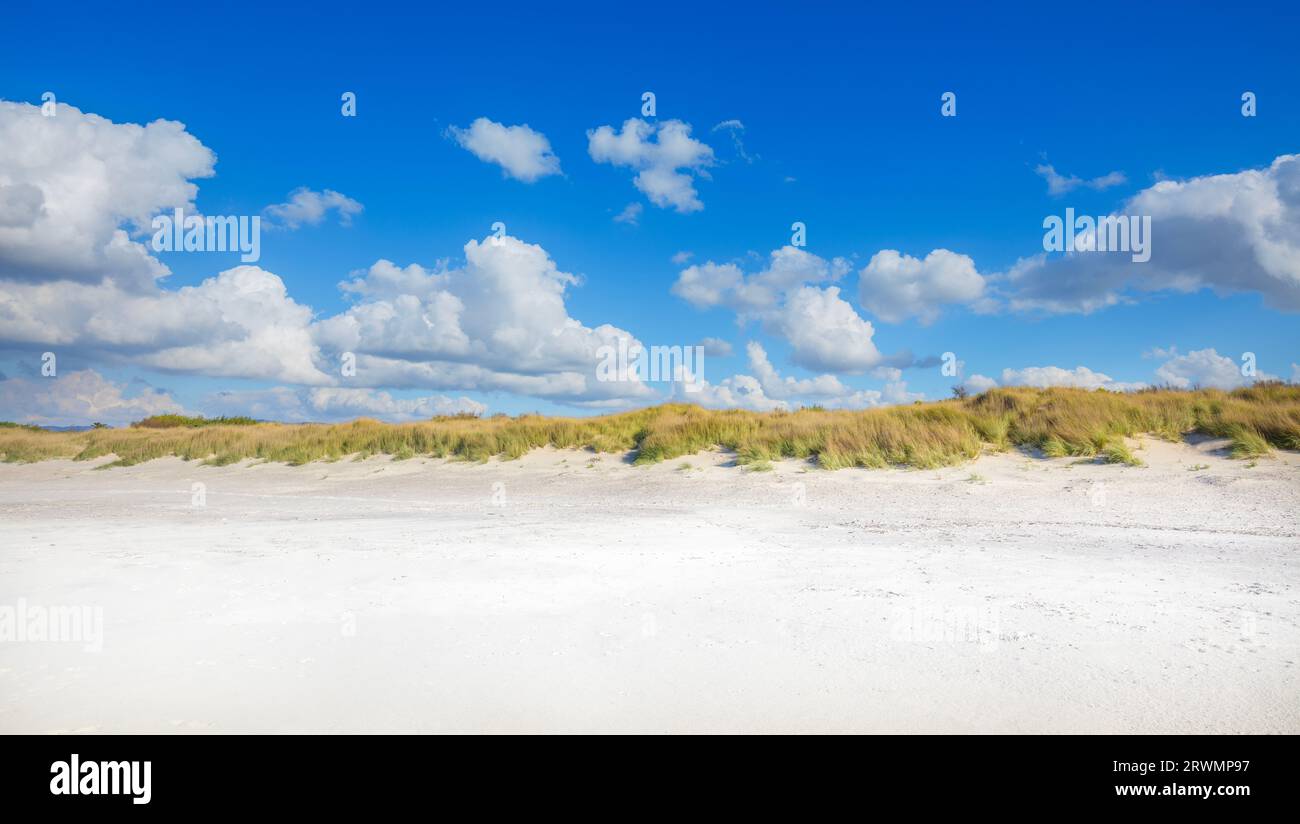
(838, 114)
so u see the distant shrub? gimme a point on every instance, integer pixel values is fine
(170, 421)
(27, 426)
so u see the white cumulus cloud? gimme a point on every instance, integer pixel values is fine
(630, 215)
(1059, 184)
(333, 403)
(825, 332)
(1205, 368)
(499, 322)
(73, 188)
(521, 153)
(1080, 377)
(775, 386)
(767, 389)
(716, 347)
(308, 208)
(240, 324)
(979, 383)
(1230, 233)
(666, 159)
(78, 399)
(894, 286)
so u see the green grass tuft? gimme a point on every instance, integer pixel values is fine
(1117, 452)
(1248, 443)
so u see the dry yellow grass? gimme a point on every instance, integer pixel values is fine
(1057, 421)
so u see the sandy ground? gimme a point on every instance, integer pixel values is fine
(567, 592)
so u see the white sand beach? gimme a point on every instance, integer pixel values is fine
(572, 592)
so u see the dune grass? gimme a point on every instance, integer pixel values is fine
(1118, 452)
(1058, 422)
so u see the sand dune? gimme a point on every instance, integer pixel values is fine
(572, 592)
